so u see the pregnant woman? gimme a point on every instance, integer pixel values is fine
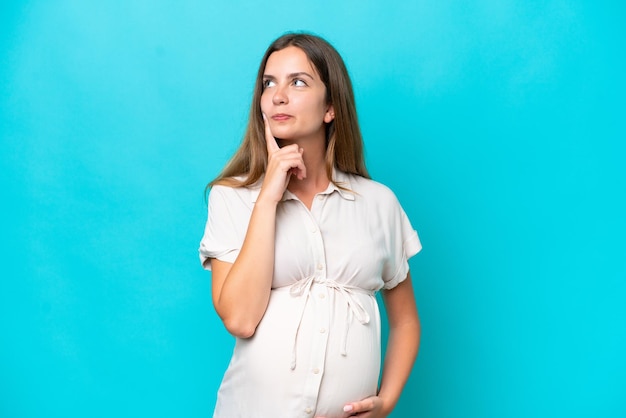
(299, 239)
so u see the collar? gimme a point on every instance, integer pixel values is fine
(340, 178)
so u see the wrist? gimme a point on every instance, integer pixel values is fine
(266, 202)
(388, 404)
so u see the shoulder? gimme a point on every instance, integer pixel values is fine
(369, 189)
(231, 194)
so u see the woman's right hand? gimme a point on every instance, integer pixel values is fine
(282, 163)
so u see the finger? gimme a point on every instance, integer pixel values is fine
(348, 409)
(291, 161)
(361, 406)
(301, 167)
(270, 141)
(294, 167)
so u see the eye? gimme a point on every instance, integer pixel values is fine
(268, 83)
(298, 82)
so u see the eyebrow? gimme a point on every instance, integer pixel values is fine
(292, 75)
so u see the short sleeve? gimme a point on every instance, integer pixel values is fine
(403, 243)
(227, 221)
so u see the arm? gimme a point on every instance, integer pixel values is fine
(403, 343)
(241, 290)
(402, 346)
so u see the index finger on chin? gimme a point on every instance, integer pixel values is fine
(270, 141)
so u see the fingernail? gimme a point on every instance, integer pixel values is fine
(347, 408)
(264, 117)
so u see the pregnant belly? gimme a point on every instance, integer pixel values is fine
(310, 353)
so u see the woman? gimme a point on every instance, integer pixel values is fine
(299, 239)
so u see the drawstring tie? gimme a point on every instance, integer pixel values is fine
(302, 288)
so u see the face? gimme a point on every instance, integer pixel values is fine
(294, 97)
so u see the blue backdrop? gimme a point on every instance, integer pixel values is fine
(499, 124)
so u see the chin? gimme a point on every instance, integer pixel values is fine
(283, 137)
(282, 133)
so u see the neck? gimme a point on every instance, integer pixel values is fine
(314, 156)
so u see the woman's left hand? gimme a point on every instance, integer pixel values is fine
(371, 407)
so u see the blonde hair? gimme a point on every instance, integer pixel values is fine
(344, 143)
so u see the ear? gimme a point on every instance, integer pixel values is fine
(329, 116)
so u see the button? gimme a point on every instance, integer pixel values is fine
(313, 229)
(320, 197)
(321, 296)
(308, 410)
(322, 330)
(320, 266)
(316, 370)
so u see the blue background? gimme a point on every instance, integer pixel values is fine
(499, 124)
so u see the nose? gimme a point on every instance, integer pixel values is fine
(280, 96)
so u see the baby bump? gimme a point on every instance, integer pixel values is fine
(353, 359)
(313, 346)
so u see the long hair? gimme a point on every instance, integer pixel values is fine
(344, 143)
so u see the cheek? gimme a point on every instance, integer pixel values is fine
(266, 103)
(310, 106)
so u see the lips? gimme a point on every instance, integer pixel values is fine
(280, 117)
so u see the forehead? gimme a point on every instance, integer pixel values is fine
(287, 61)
